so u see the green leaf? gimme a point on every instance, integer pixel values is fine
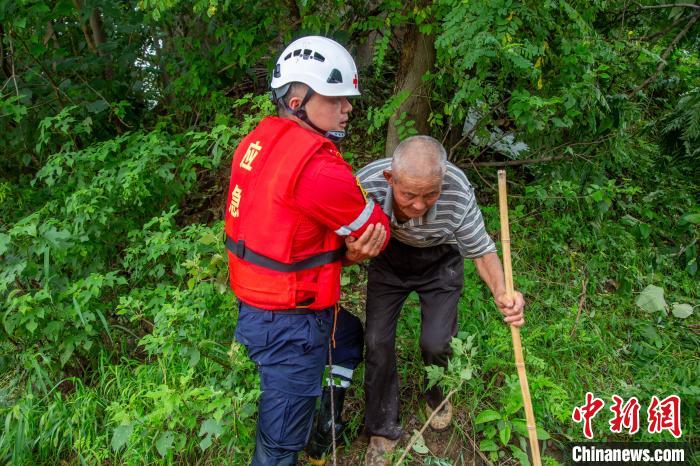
(520, 455)
(164, 442)
(504, 433)
(31, 325)
(26, 228)
(211, 427)
(520, 426)
(487, 416)
(682, 311)
(56, 237)
(488, 445)
(247, 410)
(4, 242)
(644, 230)
(691, 218)
(67, 353)
(121, 436)
(105, 325)
(205, 443)
(597, 196)
(435, 374)
(419, 445)
(466, 373)
(209, 238)
(194, 356)
(97, 106)
(651, 299)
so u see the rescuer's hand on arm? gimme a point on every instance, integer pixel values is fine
(368, 245)
(491, 271)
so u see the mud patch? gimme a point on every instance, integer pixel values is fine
(448, 447)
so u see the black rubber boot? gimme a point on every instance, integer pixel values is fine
(321, 440)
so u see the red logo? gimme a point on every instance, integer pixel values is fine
(665, 415)
(626, 416)
(587, 412)
(661, 415)
(354, 81)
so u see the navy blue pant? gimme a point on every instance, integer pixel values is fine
(291, 349)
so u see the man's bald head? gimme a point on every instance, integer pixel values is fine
(419, 157)
(417, 169)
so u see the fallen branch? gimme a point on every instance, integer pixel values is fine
(83, 27)
(475, 449)
(491, 187)
(665, 55)
(478, 125)
(581, 304)
(425, 426)
(515, 163)
(663, 32)
(669, 5)
(511, 163)
(103, 98)
(12, 63)
(46, 76)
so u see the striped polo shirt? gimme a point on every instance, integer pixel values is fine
(454, 219)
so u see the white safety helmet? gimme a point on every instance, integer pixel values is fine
(321, 63)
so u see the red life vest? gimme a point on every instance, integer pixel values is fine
(260, 221)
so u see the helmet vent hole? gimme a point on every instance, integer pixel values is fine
(289, 55)
(335, 77)
(319, 57)
(297, 52)
(307, 54)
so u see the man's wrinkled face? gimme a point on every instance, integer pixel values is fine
(413, 195)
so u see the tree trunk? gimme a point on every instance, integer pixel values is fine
(365, 52)
(84, 28)
(100, 37)
(98, 32)
(164, 51)
(294, 12)
(50, 36)
(4, 60)
(417, 57)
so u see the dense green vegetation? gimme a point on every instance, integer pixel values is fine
(117, 123)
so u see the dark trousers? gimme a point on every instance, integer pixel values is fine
(437, 275)
(291, 349)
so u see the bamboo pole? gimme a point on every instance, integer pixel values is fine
(515, 331)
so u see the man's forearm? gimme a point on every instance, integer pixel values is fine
(491, 272)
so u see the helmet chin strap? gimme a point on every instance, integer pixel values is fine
(333, 135)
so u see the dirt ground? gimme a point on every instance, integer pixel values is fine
(446, 445)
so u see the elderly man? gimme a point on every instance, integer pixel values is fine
(295, 215)
(435, 223)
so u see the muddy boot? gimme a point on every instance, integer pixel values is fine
(378, 450)
(321, 440)
(441, 421)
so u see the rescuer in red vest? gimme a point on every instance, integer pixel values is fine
(295, 214)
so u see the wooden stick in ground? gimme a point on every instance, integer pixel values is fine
(515, 331)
